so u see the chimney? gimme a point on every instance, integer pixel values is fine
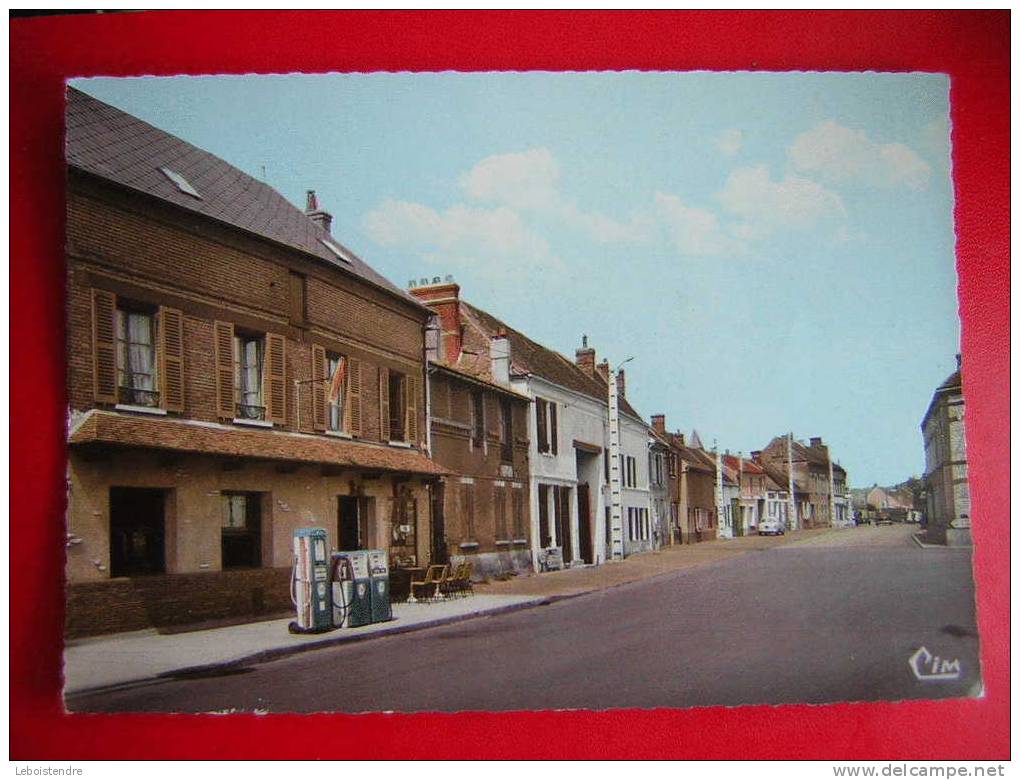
(756, 455)
(321, 218)
(659, 424)
(444, 299)
(621, 383)
(816, 441)
(603, 370)
(682, 439)
(585, 357)
(499, 354)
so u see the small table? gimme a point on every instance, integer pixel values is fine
(400, 582)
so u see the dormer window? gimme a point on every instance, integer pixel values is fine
(181, 183)
(336, 249)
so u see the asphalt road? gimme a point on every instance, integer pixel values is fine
(814, 623)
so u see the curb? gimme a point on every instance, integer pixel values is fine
(275, 653)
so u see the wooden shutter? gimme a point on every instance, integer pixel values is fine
(499, 502)
(353, 406)
(554, 433)
(320, 387)
(275, 381)
(171, 351)
(411, 426)
(104, 346)
(384, 404)
(543, 442)
(224, 343)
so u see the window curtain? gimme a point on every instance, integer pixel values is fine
(136, 346)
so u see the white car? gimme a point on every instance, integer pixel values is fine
(771, 528)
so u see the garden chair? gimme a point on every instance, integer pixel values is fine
(430, 586)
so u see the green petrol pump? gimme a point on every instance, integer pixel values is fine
(354, 564)
(379, 572)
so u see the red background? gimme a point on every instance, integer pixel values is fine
(973, 47)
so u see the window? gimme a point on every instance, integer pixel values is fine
(507, 430)
(137, 366)
(672, 465)
(249, 352)
(136, 532)
(629, 471)
(241, 533)
(477, 418)
(336, 367)
(547, 429)
(397, 391)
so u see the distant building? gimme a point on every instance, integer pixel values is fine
(820, 495)
(945, 456)
(753, 494)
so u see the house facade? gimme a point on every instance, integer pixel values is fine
(698, 505)
(234, 373)
(813, 476)
(479, 428)
(752, 494)
(947, 491)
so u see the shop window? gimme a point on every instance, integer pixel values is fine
(137, 364)
(241, 532)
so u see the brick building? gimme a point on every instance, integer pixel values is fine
(234, 373)
(821, 498)
(945, 457)
(698, 490)
(479, 428)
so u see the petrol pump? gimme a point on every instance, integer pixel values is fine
(353, 565)
(379, 573)
(310, 585)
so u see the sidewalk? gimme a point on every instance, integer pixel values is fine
(123, 659)
(119, 659)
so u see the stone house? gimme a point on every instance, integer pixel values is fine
(479, 428)
(945, 457)
(234, 373)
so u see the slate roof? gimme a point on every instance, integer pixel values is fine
(118, 147)
(526, 357)
(110, 428)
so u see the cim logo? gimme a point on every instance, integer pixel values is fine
(926, 666)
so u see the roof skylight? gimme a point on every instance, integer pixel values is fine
(182, 184)
(337, 250)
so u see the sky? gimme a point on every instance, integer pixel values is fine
(775, 251)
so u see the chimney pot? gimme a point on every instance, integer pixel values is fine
(585, 357)
(321, 218)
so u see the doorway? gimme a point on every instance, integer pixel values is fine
(352, 523)
(584, 522)
(137, 532)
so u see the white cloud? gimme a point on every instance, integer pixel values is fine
(693, 231)
(460, 235)
(522, 180)
(765, 205)
(730, 142)
(838, 154)
(529, 182)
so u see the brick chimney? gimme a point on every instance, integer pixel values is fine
(621, 383)
(499, 354)
(444, 299)
(659, 424)
(756, 456)
(816, 441)
(681, 438)
(603, 370)
(585, 357)
(321, 218)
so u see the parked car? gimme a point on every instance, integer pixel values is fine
(770, 528)
(883, 520)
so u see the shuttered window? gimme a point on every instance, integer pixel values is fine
(467, 493)
(499, 509)
(540, 418)
(411, 385)
(354, 421)
(137, 365)
(171, 330)
(104, 348)
(519, 529)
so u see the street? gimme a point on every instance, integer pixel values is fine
(834, 618)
